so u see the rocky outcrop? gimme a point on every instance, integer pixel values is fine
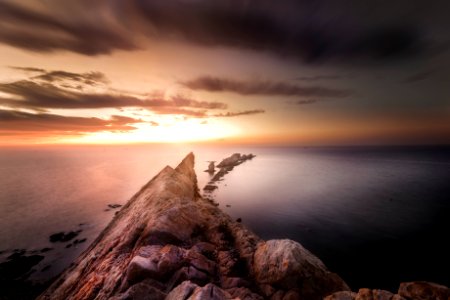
(168, 242)
(234, 160)
(417, 290)
(422, 290)
(287, 264)
(211, 167)
(225, 166)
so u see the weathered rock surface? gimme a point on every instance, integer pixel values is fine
(211, 167)
(168, 242)
(417, 290)
(422, 290)
(231, 161)
(343, 295)
(287, 264)
(234, 160)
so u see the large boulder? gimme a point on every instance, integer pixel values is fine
(342, 295)
(287, 264)
(190, 291)
(417, 290)
(368, 294)
(422, 290)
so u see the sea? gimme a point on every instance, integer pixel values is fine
(377, 216)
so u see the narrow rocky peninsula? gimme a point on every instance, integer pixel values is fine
(168, 242)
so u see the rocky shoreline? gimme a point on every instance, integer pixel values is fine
(168, 242)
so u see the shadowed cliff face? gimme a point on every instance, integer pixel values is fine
(168, 242)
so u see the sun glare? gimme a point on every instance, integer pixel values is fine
(177, 132)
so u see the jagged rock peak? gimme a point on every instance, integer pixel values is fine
(186, 167)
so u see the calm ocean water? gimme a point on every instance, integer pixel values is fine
(376, 216)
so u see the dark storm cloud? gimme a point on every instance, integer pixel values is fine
(181, 101)
(308, 101)
(27, 122)
(63, 28)
(89, 78)
(28, 69)
(66, 79)
(313, 31)
(322, 77)
(419, 76)
(239, 113)
(258, 87)
(45, 95)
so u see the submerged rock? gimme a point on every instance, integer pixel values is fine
(114, 206)
(79, 241)
(64, 237)
(18, 266)
(169, 242)
(210, 187)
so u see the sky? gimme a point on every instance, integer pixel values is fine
(300, 72)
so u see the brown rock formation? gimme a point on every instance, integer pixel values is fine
(211, 167)
(287, 264)
(225, 166)
(422, 290)
(417, 290)
(168, 242)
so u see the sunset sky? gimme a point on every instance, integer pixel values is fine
(283, 72)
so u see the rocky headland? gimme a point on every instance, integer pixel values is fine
(169, 242)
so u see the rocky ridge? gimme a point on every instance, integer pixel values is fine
(168, 242)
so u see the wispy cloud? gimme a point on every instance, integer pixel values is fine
(48, 30)
(56, 89)
(13, 121)
(89, 78)
(239, 113)
(307, 101)
(322, 77)
(261, 87)
(66, 90)
(28, 69)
